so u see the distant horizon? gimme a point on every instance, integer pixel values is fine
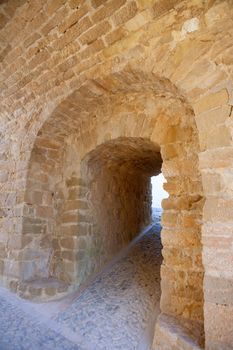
(158, 193)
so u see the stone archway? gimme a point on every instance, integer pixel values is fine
(188, 43)
(157, 114)
(113, 201)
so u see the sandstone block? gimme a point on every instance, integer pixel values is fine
(125, 13)
(115, 35)
(73, 18)
(53, 6)
(107, 10)
(68, 243)
(94, 33)
(211, 101)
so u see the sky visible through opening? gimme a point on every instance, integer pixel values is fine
(158, 193)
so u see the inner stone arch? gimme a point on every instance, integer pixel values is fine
(117, 175)
(106, 203)
(61, 191)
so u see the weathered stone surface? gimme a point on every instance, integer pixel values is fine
(126, 308)
(75, 75)
(211, 101)
(172, 334)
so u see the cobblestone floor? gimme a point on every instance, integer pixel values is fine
(116, 311)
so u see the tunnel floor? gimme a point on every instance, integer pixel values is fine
(117, 310)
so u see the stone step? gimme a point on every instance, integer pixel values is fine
(43, 289)
(178, 334)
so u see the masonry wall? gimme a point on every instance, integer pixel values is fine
(102, 207)
(64, 61)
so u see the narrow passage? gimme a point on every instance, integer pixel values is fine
(116, 311)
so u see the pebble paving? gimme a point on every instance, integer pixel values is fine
(19, 331)
(113, 313)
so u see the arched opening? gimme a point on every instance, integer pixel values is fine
(99, 206)
(62, 243)
(117, 175)
(188, 47)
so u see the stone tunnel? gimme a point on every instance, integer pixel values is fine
(98, 96)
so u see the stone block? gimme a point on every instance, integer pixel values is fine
(125, 13)
(181, 238)
(97, 3)
(75, 205)
(70, 217)
(211, 183)
(68, 255)
(107, 10)
(44, 212)
(70, 229)
(216, 158)
(209, 120)
(218, 290)
(177, 334)
(73, 18)
(211, 100)
(68, 243)
(53, 6)
(94, 33)
(218, 335)
(218, 209)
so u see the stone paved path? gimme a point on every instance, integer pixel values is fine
(115, 312)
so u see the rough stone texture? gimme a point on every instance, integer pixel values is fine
(116, 311)
(76, 74)
(111, 200)
(176, 334)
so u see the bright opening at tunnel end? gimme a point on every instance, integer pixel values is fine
(158, 193)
